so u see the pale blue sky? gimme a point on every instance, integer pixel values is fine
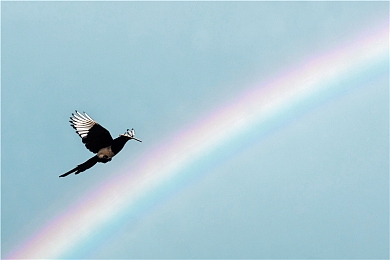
(317, 187)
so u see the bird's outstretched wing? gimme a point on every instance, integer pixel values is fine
(93, 135)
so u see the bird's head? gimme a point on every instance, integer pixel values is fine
(130, 134)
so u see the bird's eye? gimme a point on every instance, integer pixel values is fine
(105, 156)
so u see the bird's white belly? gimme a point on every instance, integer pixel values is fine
(105, 153)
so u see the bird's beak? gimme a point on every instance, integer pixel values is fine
(136, 139)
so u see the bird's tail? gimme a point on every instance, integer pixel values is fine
(82, 167)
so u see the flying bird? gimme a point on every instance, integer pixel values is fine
(98, 140)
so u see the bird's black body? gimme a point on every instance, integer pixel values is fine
(98, 140)
(119, 143)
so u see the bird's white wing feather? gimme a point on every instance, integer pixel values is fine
(82, 123)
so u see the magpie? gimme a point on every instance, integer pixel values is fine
(98, 140)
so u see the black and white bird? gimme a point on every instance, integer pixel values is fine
(98, 140)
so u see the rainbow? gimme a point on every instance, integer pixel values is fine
(165, 166)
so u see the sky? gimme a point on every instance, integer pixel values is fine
(265, 129)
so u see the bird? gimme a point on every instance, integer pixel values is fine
(98, 140)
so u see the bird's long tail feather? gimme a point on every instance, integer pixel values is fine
(82, 167)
